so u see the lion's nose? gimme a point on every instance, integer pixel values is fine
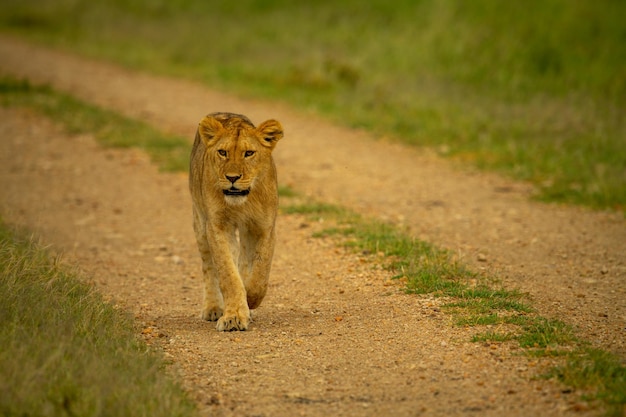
(232, 178)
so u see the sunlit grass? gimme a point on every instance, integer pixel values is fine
(599, 373)
(111, 129)
(536, 90)
(67, 352)
(474, 300)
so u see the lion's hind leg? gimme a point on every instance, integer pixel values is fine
(254, 265)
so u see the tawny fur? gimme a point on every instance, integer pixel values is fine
(233, 187)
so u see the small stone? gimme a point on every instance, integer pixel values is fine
(579, 407)
(481, 257)
(215, 399)
(604, 270)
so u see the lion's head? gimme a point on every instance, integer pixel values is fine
(239, 152)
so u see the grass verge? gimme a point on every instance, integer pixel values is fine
(478, 301)
(169, 152)
(67, 352)
(598, 372)
(535, 90)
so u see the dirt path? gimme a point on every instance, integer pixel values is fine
(333, 337)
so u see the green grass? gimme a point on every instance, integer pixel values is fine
(169, 152)
(536, 90)
(599, 373)
(491, 337)
(66, 352)
(476, 301)
(426, 268)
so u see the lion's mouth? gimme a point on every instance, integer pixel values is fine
(232, 191)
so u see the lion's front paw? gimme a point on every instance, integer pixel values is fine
(211, 313)
(228, 323)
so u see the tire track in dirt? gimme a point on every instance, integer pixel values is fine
(387, 352)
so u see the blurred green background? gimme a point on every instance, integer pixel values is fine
(535, 90)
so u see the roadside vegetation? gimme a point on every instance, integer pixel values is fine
(170, 153)
(500, 315)
(535, 90)
(67, 352)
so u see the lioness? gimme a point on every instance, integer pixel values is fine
(233, 187)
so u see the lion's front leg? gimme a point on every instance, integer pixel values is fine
(213, 303)
(236, 314)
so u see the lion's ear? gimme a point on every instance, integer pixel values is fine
(209, 129)
(271, 132)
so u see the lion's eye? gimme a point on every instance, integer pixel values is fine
(222, 152)
(249, 154)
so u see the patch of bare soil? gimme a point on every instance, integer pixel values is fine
(334, 336)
